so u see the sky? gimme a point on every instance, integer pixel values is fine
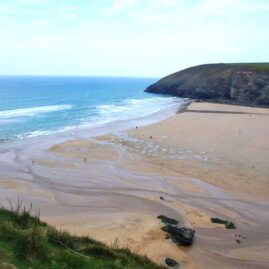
(138, 38)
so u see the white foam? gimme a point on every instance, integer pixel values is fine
(107, 109)
(126, 110)
(135, 108)
(31, 111)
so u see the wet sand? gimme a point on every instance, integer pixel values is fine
(209, 161)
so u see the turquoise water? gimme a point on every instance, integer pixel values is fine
(34, 106)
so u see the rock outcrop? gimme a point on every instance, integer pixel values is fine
(167, 220)
(179, 235)
(170, 262)
(227, 224)
(242, 84)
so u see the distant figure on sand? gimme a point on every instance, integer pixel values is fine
(33, 162)
(85, 159)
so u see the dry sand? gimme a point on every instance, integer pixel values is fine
(211, 160)
(224, 148)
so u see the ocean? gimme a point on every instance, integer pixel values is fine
(40, 106)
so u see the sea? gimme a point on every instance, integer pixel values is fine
(39, 106)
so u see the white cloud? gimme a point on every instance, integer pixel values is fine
(33, 2)
(120, 6)
(130, 37)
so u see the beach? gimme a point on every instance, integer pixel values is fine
(208, 160)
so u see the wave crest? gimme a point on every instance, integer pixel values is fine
(31, 111)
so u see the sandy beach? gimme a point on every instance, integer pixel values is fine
(210, 160)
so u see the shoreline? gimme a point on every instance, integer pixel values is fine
(84, 132)
(109, 186)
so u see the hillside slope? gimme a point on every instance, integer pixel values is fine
(26, 242)
(243, 84)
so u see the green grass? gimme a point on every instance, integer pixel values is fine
(259, 67)
(212, 69)
(27, 242)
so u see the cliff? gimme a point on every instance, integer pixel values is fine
(242, 84)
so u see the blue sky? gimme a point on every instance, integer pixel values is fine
(129, 37)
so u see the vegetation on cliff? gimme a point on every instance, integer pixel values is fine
(26, 242)
(242, 84)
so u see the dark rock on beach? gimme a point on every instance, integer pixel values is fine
(228, 224)
(242, 84)
(167, 220)
(180, 235)
(170, 262)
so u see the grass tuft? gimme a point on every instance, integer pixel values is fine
(32, 244)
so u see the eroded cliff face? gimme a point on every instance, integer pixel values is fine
(243, 84)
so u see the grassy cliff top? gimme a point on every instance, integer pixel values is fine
(259, 67)
(26, 242)
(252, 67)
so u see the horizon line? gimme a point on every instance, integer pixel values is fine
(81, 76)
